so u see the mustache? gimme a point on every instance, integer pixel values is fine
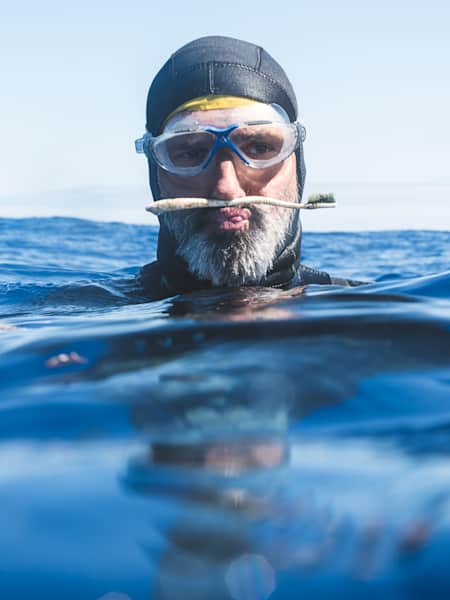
(193, 221)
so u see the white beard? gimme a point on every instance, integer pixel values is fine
(231, 259)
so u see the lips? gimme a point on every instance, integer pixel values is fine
(230, 219)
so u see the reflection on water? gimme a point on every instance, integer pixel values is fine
(212, 549)
(258, 513)
(277, 445)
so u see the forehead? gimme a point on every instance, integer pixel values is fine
(226, 116)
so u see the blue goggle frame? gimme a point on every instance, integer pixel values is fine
(145, 145)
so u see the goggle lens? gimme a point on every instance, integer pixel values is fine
(185, 150)
(258, 145)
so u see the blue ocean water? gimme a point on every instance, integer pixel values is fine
(240, 444)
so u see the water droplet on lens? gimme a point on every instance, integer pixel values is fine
(250, 577)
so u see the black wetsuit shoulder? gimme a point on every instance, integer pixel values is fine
(306, 276)
(157, 283)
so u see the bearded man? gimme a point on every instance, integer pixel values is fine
(222, 124)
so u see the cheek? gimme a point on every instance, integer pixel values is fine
(283, 182)
(274, 181)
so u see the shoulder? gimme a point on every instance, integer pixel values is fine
(347, 282)
(153, 281)
(307, 275)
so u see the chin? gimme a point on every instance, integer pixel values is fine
(230, 258)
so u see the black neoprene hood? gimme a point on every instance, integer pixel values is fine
(217, 65)
(221, 66)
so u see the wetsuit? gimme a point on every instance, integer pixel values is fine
(169, 275)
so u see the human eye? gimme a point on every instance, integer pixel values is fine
(188, 151)
(259, 145)
(260, 148)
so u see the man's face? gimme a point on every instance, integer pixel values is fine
(233, 245)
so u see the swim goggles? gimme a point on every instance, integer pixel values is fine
(258, 144)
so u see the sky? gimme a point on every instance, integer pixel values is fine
(371, 79)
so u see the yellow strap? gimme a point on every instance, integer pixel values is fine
(212, 102)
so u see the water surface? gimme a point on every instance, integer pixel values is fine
(224, 444)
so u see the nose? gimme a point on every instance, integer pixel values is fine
(225, 184)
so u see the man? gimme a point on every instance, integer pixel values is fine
(222, 124)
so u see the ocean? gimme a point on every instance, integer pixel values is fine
(243, 444)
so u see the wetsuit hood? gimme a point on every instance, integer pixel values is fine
(221, 66)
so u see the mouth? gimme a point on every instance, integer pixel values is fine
(229, 219)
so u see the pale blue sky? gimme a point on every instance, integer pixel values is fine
(372, 81)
